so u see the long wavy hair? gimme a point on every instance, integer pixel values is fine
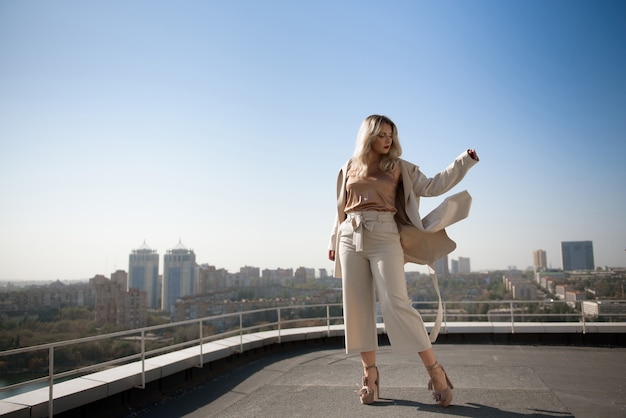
(369, 130)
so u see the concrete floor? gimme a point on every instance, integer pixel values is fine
(490, 381)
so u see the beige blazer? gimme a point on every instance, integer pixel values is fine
(423, 240)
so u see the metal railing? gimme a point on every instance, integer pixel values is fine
(517, 311)
(153, 340)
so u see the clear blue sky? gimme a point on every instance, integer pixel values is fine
(223, 124)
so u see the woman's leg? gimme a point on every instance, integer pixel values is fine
(368, 358)
(370, 371)
(404, 324)
(359, 299)
(437, 373)
(359, 311)
(439, 382)
(359, 308)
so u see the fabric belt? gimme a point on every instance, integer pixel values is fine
(360, 220)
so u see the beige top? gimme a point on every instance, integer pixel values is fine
(375, 192)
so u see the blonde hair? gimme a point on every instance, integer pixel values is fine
(369, 130)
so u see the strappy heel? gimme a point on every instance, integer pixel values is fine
(367, 395)
(443, 397)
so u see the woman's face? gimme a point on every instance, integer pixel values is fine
(382, 143)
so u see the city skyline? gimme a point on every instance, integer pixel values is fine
(224, 125)
(452, 265)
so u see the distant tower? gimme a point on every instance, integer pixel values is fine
(143, 273)
(179, 275)
(454, 266)
(464, 265)
(577, 255)
(540, 260)
(120, 277)
(441, 266)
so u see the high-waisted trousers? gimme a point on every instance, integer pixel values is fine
(372, 261)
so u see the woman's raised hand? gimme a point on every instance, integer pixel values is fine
(472, 153)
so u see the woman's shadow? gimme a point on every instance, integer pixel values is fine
(471, 409)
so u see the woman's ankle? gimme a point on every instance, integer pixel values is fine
(438, 377)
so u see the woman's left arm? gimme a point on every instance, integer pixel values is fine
(446, 179)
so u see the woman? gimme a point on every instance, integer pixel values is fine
(377, 201)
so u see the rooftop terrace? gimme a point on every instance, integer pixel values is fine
(490, 381)
(499, 369)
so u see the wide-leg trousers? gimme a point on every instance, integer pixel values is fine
(372, 261)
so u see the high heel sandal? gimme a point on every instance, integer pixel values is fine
(367, 395)
(443, 397)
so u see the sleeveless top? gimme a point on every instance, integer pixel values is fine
(376, 192)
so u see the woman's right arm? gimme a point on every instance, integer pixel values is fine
(333, 240)
(333, 234)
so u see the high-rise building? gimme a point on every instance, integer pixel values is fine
(121, 278)
(179, 275)
(143, 273)
(303, 274)
(464, 265)
(279, 276)
(207, 279)
(441, 266)
(577, 255)
(540, 262)
(115, 305)
(454, 266)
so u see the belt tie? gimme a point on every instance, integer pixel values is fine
(358, 223)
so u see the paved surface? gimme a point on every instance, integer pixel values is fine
(490, 381)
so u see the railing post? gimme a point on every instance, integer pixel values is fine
(241, 332)
(582, 313)
(512, 317)
(445, 317)
(328, 319)
(51, 382)
(143, 359)
(279, 325)
(200, 363)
